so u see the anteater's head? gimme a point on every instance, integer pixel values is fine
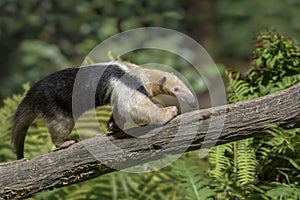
(160, 82)
(173, 86)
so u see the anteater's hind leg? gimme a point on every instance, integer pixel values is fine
(60, 127)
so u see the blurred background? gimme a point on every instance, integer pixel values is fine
(39, 37)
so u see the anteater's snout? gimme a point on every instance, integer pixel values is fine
(188, 98)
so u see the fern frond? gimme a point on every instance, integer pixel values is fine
(192, 183)
(237, 89)
(278, 154)
(288, 81)
(284, 191)
(219, 161)
(246, 162)
(281, 139)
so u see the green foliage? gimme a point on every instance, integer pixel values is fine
(220, 162)
(192, 185)
(277, 154)
(110, 186)
(234, 169)
(284, 191)
(237, 89)
(238, 21)
(276, 57)
(267, 166)
(245, 167)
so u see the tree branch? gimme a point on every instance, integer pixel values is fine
(97, 156)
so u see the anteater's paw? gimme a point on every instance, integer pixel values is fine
(66, 144)
(171, 112)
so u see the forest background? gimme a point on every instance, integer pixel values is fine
(39, 37)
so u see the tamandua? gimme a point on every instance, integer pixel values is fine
(156, 82)
(51, 99)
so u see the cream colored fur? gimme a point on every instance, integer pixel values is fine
(135, 109)
(160, 82)
(142, 111)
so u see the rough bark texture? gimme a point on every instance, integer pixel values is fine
(96, 156)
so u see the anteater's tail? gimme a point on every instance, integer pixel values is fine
(22, 120)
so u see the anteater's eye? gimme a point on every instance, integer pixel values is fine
(176, 89)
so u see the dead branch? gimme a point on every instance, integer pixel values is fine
(100, 155)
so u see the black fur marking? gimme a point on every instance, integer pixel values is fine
(54, 92)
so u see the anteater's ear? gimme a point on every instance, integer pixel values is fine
(163, 80)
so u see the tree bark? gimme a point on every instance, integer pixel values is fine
(103, 154)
